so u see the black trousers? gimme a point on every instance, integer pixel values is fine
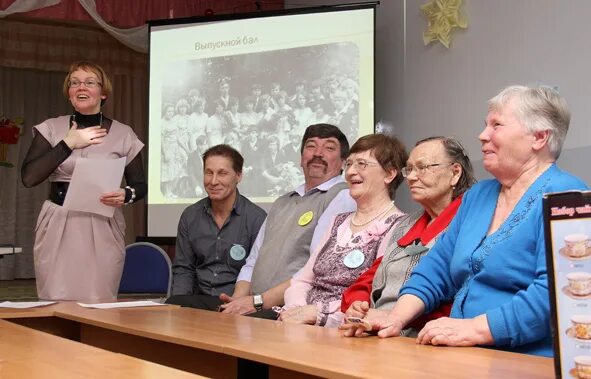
(249, 369)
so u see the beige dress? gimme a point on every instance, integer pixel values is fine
(79, 255)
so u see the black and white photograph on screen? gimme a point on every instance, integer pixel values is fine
(258, 103)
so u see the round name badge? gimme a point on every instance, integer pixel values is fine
(305, 218)
(237, 252)
(354, 259)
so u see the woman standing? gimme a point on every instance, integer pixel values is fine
(169, 151)
(249, 117)
(216, 125)
(197, 122)
(302, 112)
(79, 255)
(233, 117)
(183, 134)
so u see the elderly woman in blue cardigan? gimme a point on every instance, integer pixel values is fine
(492, 261)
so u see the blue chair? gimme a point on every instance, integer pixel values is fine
(147, 269)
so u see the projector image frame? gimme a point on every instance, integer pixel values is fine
(254, 81)
(260, 103)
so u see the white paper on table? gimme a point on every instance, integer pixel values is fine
(122, 304)
(92, 178)
(25, 304)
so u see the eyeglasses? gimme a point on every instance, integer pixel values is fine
(359, 164)
(420, 169)
(89, 83)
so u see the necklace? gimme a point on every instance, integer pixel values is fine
(377, 216)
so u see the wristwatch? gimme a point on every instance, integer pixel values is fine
(257, 301)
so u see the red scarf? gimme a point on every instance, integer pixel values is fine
(361, 289)
(426, 232)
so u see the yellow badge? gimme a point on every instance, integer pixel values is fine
(305, 218)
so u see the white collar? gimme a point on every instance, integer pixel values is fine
(301, 190)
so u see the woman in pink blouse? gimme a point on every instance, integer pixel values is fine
(354, 240)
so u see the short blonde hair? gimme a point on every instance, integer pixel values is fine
(106, 86)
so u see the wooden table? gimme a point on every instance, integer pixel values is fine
(209, 344)
(28, 353)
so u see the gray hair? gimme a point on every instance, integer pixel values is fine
(456, 153)
(539, 109)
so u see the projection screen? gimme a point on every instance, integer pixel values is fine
(254, 82)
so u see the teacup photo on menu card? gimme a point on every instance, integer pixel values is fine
(581, 328)
(576, 245)
(579, 284)
(582, 367)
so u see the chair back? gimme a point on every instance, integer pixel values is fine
(147, 269)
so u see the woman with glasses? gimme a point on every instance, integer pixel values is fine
(354, 240)
(79, 255)
(492, 259)
(437, 172)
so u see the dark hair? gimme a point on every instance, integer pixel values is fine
(456, 153)
(326, 131)
(388, 151)
(225, 151)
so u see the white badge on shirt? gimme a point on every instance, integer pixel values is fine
(237, 252)
(354, 259)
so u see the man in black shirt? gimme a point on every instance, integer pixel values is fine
(215, 234)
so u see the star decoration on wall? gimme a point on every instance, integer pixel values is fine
(444, 16)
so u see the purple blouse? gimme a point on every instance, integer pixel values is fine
(344, 256)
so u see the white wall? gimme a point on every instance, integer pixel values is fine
(431, 90)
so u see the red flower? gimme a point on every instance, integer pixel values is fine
(9, 130)
(9, 135)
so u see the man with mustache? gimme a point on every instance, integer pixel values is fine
(294, 224)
